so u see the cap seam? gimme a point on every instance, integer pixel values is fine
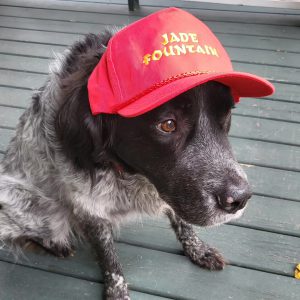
(115, 73)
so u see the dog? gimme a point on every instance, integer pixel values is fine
(68, 173)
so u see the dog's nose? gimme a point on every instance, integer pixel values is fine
(235, 197)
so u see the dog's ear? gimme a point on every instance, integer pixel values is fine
(84, 138)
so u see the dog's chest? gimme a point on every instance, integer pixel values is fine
(116, 199)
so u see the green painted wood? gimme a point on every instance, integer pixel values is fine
(5, 137)
(274, 183)
(255, 29)
(237, 54)
(27, 64)
(21, 79)
(18, 282)
(222, 15)
(229, 40)
(7, 119)
(156, 272)
(14, 97)
(276, 215)
(255, 249)
(265, 57)
(30, 49)
(41, 65)
(266, 154)
(273, 73)
(265, 130)
(286, 92)
(269, 109)
(79, 27)
(206, 5)
(53, 38)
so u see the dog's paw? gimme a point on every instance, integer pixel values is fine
(54, 248)
(60, 251)
(203, 255)
(116, 287)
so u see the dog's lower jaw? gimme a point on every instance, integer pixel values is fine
(194, 248)
(221, 217)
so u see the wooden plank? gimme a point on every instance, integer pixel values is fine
(79, 27)
(266, 154)
(276, 215)
(254, 29)
(5, 136)
(265, 57)
(52, 38)
(279, 258)
(14, 97)
(269, 109)
(30, 49)
(229, 40)
(265, 130)
(286, 92)
(274, 183)
(21, 79)
(274, 73)
(237, 54)
(8, 119)
(211, 5)
(19, 282)
(244, 17)
(73, 16)
(22, 63)
(156, 272)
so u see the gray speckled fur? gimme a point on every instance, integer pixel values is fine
(42, 196)
(45, 198)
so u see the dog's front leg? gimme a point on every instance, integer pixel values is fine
(99, 232)
(198, 252)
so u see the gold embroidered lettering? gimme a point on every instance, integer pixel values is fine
(183, 37)
(165, 39)
(213, 51)
(191, 48)
(180, 49)
(156, 55)
(146, 59)
(174, 38)
(194, 37)
(171, 51)
(200, 50)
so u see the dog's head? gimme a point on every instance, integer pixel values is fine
(182, 147)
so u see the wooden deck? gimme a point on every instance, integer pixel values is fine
(263, 247)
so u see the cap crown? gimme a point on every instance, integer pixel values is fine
(151, 52)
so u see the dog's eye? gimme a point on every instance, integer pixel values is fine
(167, 126)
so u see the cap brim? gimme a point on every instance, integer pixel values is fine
(241, 84)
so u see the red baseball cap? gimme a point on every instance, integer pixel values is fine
(159, 57)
